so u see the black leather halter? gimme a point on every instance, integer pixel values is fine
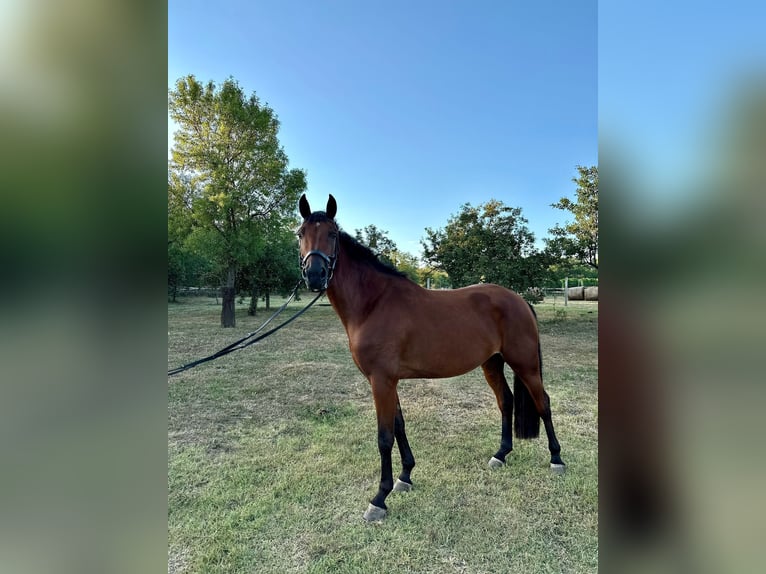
(330, 260)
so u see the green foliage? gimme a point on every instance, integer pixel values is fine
(533, 295)
(229, 182)
(578, 240)
(407, 264)
(186, 268)
(490, 243)
(576, 272)
(273, 267)
(187, 265)
(377, 240)
(387, 251)
(439, 279)
(582, 281)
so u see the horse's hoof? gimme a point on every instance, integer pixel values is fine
(558, 468)
(401, 486)
(374, 513)
(496, 463)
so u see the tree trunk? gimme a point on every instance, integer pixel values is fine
(253, 309)
(268, 301)
(229, 297)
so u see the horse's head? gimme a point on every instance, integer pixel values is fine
(318, 237)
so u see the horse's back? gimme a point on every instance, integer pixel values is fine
(436, 334)
(485, 299)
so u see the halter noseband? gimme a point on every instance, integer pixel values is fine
(330, 260)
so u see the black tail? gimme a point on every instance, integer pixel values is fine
(526, 423)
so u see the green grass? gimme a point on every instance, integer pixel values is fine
(272, 457)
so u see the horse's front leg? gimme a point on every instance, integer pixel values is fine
(384, 394)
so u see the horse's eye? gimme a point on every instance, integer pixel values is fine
(333, 235)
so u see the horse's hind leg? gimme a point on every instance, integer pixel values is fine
(531, 401)
(557, 465)
(532, 404)
(493, 372)
(404, 482)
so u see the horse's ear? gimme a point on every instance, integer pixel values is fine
(303, 205)
(332, 207)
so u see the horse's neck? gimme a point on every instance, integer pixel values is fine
(354, 289)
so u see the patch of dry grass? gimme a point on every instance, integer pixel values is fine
(272, 457)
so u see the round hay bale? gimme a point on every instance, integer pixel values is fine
(591, 293)
(576, 293)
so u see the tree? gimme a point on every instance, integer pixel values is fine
(274, 267)
(578, 240)
(379, 242)
(230, 174)
(178, 230)
(406, 263)
(387, 251)
(186, 265)
(438, 279)
(490, 243)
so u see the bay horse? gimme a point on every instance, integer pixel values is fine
(399, 330)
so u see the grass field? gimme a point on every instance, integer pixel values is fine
(272, 457)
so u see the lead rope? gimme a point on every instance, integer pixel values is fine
(243, 342)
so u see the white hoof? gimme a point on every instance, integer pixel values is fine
(496, 463)
(558, 468)
(401, 486)
(374, 513)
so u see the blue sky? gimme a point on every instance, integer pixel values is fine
(405, 111)
(669, 77)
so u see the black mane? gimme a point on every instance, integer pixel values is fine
(363, 254)
(358, 252)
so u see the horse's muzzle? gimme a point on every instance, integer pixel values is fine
(315, 274)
